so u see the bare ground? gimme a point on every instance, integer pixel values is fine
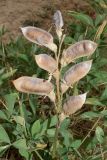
(17, 13)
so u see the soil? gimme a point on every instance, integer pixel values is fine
(17, 13)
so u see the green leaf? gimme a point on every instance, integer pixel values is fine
(64, 125)
(2, 115)
(36, 127)
(82, 17)
(44, 127)
(24, 153)
(3, 148)
(104, 94)
(67, 138)
(103, 113)
(21, 143)
(54, 121)
(8, 74)
(93, 101)
(99, 19)
(23, 57)
(20, 120)
(89, 115)
(10, 100)
(51, 132)
(75, 144)
(3, 135)
(99, 134)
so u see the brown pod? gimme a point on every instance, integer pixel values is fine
(46, 62)
(74, 103)
(77, 50)
(39, 36)
(78, 71)
(33, 85)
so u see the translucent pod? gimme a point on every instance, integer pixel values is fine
(46, 62)
(58, 21)
(34, 85)
(64, 87)
(77, 50)
(73, 104)
(78, 71)
(39, 36)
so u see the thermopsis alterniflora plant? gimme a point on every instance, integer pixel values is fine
(53, 66)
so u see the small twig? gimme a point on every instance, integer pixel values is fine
(102, 154)
(3, 103)
(91, 129)
(39, 156)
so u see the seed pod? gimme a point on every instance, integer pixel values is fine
(39, 36)
(58, 21)
(74, 103)
(46, 62)
(77, 50)
(64, 87)
(33, 85)
(78, 71)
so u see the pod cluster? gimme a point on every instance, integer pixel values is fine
(75, 73)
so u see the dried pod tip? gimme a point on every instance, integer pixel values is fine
(58, 20)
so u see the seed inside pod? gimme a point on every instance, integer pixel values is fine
(77, 50)
(33, 85)
(39, 36)
(74, 103)
(46, 62)
(78, 71)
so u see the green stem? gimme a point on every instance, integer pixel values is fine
(55, 142)
(38, 155)
(59, 97)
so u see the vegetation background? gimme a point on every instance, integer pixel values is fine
(27, 128)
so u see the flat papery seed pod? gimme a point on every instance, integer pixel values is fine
(73, 104)
(77, 50)
(64, 87)
(39, 36)
(33, 85)
(58, 20)
(76, 72)
(46, 62)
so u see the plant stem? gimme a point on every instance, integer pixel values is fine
(59, 97)
(58, 75)
(39, 156)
